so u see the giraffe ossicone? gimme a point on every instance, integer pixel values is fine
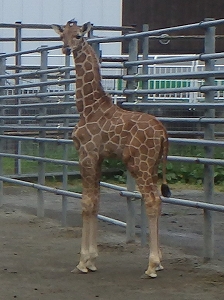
(105, 130)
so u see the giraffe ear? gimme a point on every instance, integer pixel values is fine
(58, 28)
(86, 28)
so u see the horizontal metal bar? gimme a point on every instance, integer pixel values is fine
(113, 28)
(174, 59)
(36, 139)
(189, 133)
(33, 105)
(112, 186)
(48, 26)
(37, 72)
(59, 116)
(43, 159)
(41, 187)
(182, 75)
(32, 39)
(189, 203)
(112, 221)
(38, 83)
(197, 160)
(112, 65)
(28, 26)
(201, 89)
(49, 94)
(199, 142)
(174, 104)
(37, 95)
(176, 201)
(19, 128)
(37, 50)
(59, 82)
(40, 117)
(115, 92)
(193, 120)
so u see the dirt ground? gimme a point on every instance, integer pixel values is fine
(37, 255)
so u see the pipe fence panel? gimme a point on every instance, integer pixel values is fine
(38, 114)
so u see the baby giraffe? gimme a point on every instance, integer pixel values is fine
(106, 130)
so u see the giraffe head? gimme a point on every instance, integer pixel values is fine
(71, 34)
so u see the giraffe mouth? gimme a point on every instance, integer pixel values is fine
(66, 50)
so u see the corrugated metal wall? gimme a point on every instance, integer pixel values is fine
(169, 13)
(98, 12)
(101, 12)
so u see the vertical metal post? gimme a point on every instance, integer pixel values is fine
(209, 47)
(18, 47)
(145, 68)
(132, 70)
(65, 149)
(95, 46)
(2, 92)
(42, 134)
(145, 53)
(130, 215)
(130, 220)
(144, 224)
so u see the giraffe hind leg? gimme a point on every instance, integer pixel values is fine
(152, 201)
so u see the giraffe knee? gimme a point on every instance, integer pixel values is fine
(152, 211)
(89, 208)
(153, 206)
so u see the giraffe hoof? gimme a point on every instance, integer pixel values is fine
(79, 270)
(159, 268)
(91, 267)
(148, 276)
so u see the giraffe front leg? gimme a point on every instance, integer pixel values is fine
(93, 251)
(84, 253)
(90, 171)
(89, 251)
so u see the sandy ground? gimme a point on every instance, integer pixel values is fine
(37, 255)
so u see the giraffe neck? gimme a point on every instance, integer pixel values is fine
(89, 90)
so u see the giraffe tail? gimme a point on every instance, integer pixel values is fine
(165, 190)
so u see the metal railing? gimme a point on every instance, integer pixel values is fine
(19, 123)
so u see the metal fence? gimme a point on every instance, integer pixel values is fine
(47, 115)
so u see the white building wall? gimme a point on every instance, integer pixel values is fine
(98, 12)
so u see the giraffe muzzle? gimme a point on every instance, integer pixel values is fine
(66, 50)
